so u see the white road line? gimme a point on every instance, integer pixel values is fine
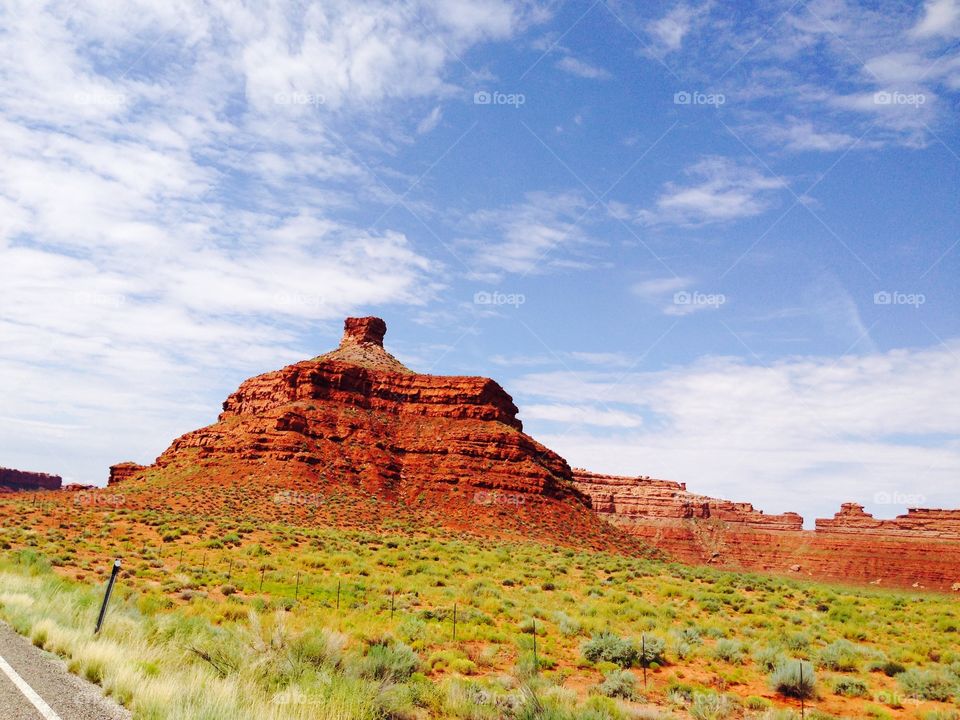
(28, 692)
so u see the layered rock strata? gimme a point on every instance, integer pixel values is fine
(919, 549)
(357, 421)
(19, 480)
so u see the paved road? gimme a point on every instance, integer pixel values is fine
(35, 685)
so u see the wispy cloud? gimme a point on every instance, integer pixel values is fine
(721, 190)
(582, 68)
(941, 18)
(582, 414)
(670, 30)
(430, 122)
(677, 295)
(534, 236)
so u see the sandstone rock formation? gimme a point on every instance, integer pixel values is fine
(920, 549)
(357, 422)
(917, 523)
(123, 471)
(14, 480)
(649, 498)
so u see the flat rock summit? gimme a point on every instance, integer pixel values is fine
(355, 438)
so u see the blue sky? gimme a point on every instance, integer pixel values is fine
(711, 242)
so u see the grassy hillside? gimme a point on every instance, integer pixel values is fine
(230, 618)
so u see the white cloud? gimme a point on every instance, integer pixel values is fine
(150, 254)
(670, 30)
(722, 191)
(430, 122)
(656, 288)
(940, 18)
(582, 414)
(531, 237)
(802, 136)
(803, 434)
(581, 68)
(676, 296)
(609, 359)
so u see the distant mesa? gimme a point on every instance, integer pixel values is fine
(20, 480)
(919, 549)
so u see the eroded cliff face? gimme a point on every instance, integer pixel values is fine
(920, 549)
(16, 480)
(123, 471)
(357, 421)
(917, 523)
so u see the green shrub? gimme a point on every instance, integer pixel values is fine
(652, 651)
(609, 647)
(755, 702)
(394, 662)
(926, 684)
(850, 687)
(710, 706)
(318, 649)
(730, 651)
(690, 635)
(794, 678)
(891, 668)
(768, 657)
(798, 642)
(940, 715)
(567, 625)
(840, 655)
(619, 684)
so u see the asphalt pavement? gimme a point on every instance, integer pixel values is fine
(35, 685)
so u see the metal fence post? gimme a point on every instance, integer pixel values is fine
(106, 597)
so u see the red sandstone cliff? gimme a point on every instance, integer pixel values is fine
(355, 421)
(13, 480)
(123, 471)
(919, 549)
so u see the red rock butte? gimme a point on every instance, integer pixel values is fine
(21, 480)
(354, 436)
(920, 549)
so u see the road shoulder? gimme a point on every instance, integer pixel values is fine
(69, 696)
